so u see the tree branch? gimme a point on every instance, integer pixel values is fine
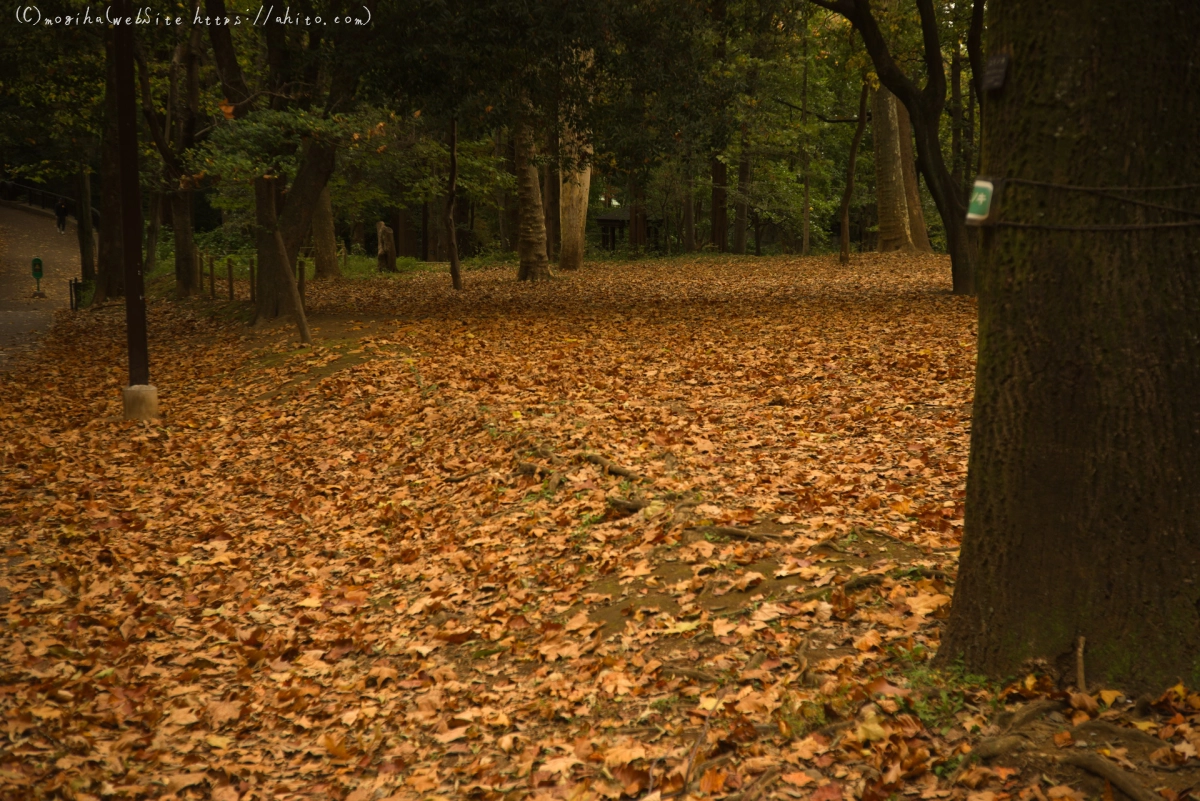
(843, 7)
(156, 132)
(975, 49)
(935, 84)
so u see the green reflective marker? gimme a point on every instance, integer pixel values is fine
(980, 207)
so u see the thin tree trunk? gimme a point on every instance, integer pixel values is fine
(531, 231)
(83, 227)
(110, 266)
(925, 107)
(451, 194)
(742, 206)
(279, 263)
(689, 216)
(573, 209)
(186, 269)
(152, 229)
(890, 197)
(1083, 492)
(957, 164)
(912, 189)
(719, 212)
(848, 194)
(550, 197)
(806, 220)
(324, 239)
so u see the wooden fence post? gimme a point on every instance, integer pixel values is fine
(229, 274)
(251, 279)
(212, 278)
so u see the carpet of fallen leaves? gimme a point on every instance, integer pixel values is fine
(681, 528)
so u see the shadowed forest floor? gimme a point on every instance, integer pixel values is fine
(660, 529)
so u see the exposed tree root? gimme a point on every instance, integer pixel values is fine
(611, 467)
(1113, 731)
(689, 673)
(759, 786)
(736, 533)
(999, 746)
(1031, 712)
(628, 505)
(464, 477)
(853, 585)
(1122, 779)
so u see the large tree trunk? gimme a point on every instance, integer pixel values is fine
(720, 214)
(278, 264)
(912, 189)
(324, 238)
(531, 228)
(890, 197)
(83, 227)
(1083, 496)
(742, 206)
(573, 208)
(848, 192)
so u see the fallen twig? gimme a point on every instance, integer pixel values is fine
(1122, 779)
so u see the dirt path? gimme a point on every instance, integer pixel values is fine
(25, 233)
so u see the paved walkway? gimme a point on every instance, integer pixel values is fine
(25, 233)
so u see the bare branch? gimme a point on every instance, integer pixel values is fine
(156, 132)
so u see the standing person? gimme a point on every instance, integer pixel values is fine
(60, 211)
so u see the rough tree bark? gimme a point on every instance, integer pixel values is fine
(385, 248)
(531, 227)
(848, 194)
(890, 198)
(573, 206)
(83, 228)
(912, 189)
(1083, 494)
(324, 238)
(925, 110)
